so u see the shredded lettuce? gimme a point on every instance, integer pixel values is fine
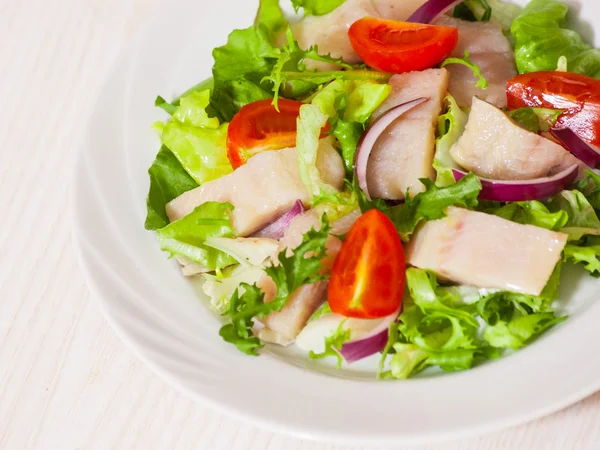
(451, 125)
(466, 61)
(302, 267)
(187, 236)
(541, 39)
(168, 180)
(316, 7)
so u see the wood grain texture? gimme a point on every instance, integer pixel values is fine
(66, 381)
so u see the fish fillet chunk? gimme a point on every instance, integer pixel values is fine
(483, 250)
(262, 189)
(404, 152)
(490, 50)
(285, 325)
(493, 146)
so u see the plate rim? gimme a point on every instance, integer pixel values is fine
(320, 435)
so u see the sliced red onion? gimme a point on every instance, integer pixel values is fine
(431, 10)
(276, 229)
(587, 153)
(369, 344)
(369, 138)
(523, 190)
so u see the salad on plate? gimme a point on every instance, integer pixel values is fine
(401, 180)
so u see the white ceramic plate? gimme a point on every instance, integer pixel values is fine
(162, 317)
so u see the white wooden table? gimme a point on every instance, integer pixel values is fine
(66, 381)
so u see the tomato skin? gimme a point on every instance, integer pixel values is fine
(399, 47)
(368, 275)
(578, 95)
(258, 127)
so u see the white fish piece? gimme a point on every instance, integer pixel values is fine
(302, 304)
(305, 300)
(494, 146)
(404, 152)
(330, 32)
(490, 50)
(486, 251)
(262, 189)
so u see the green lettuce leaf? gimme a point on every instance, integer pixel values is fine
(240, 65)
(582, 215)
(439, 329)
(168, 180)
(410, 359)
(196, 139)
(270, 15)
(430, 205)
(532, 213)
(187, 236)
(451, 126)
(466, 61)
(535, 119)
(498, 10)
(292, 79)
(520, 331)
(442, 327)
(248, 53)
(201, 151)
(334, 343)
(473, 11)
(588, 255)
(349, 105)
(540, 40)
(335, 205)
(316, 7)
(590, 187)
(310, 123)
(232, 95)
(302, 267)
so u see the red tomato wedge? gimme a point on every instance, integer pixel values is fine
(258, 126)
(577, 95)
(399, 47)
(368, 275)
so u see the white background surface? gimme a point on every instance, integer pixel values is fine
(66, 382)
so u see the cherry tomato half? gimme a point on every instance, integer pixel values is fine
(368, 275)
(577, 95)
(399, 47)
(258, 126)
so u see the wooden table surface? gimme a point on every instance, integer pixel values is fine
(66, 381)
